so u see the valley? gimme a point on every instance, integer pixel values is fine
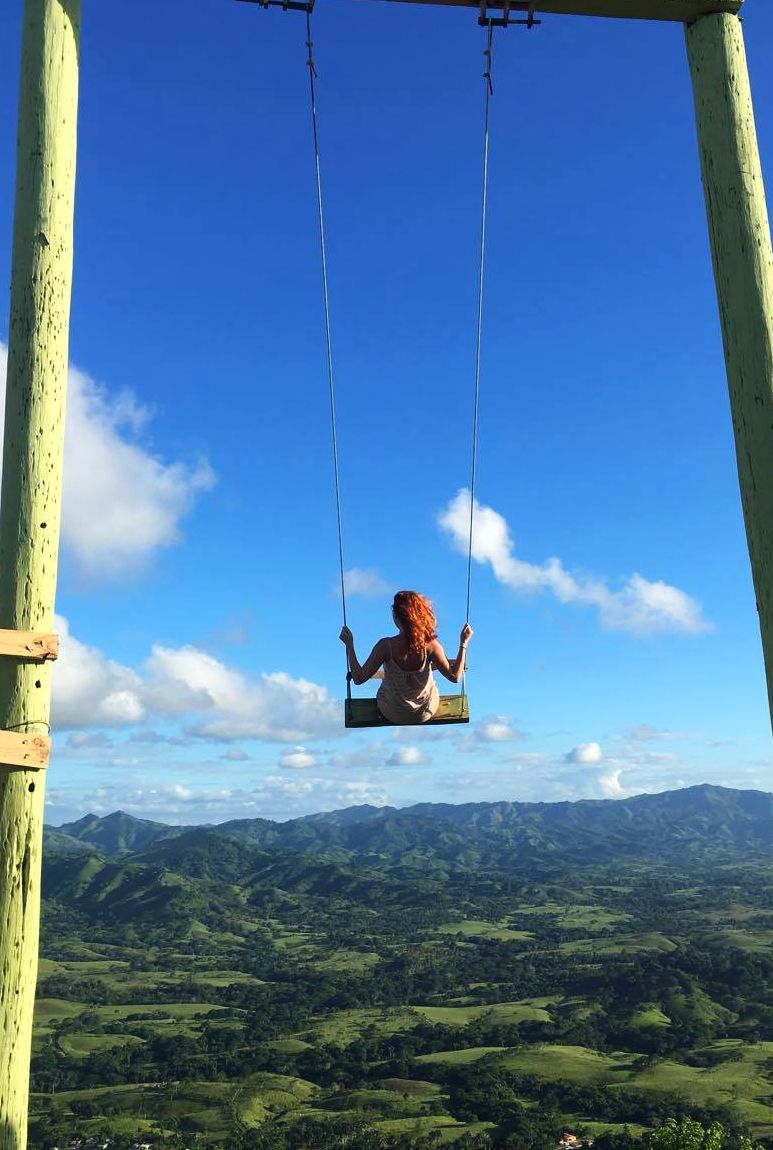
(432, 976)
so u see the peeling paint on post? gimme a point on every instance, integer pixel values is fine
(743, 269)
(41, 280)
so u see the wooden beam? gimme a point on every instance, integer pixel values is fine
(682, 11)
(30, 752)
(38, 330)
(743, 269)
(32, 645)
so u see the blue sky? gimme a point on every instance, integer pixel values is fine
(201, 669)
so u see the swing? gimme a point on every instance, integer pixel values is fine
(359, 713)
(365, 712)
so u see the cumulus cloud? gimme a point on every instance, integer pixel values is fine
(494, 729)
(364, 581)
(275, 706)
(586, 754)
(406, 757)
(611, 786)
(121, 501)
(298, 759)
(90, 690)
(640, 607)
(220, 702)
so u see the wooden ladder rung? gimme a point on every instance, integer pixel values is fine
(24, 750)
(33, 645)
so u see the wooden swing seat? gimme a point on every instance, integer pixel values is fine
(365, 713)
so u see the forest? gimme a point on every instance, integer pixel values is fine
(407, 979)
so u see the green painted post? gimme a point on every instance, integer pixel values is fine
(743, 270)
(41, 280)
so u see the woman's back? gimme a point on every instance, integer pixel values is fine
(409, 692)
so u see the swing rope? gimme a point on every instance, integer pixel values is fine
(489, 89)
(326, 295)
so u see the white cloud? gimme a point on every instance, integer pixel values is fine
(121, 502)
(610, 785)
(360, 758)
(297, 760)
(494, 729)
(91, 691)
(275, 706)
(406, 757)
(236, 755)
(364, 581)
(152, 738)
(275, 796)
(640, 607)
(585, 754)
(89, 740)
(644, 733)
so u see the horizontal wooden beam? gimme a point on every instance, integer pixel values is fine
(682, 11)
(26, 751)
(29, 645)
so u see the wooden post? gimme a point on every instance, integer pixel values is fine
(743, 269)
(41, 279)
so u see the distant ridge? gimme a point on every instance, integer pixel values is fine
(689, 823)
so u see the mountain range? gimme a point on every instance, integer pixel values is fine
(689, 824)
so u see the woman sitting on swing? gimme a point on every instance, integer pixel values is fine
(409, 692)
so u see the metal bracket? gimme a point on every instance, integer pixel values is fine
(506, 8)
(288, 5)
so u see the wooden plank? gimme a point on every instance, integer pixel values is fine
(29, 644)
(365, 713)
(683, 11)
(19, 750)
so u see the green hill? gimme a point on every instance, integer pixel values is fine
(693, 823)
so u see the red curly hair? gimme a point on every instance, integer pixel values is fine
(417, 619)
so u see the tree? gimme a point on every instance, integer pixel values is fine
(691, 1135)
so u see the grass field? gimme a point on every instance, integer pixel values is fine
(460, 1057)
(178, 1010)
(80, 1045)
(500, 1014)
(573, 1063)
(49, 1010)
(746, 1083)
(263, 1095)
(577, 917)
(353, 960)
(620, 944)
(650, 1016)
(344, 1026)
(475, 928)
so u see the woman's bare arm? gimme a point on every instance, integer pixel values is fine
(362, 672)
(451, 669)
